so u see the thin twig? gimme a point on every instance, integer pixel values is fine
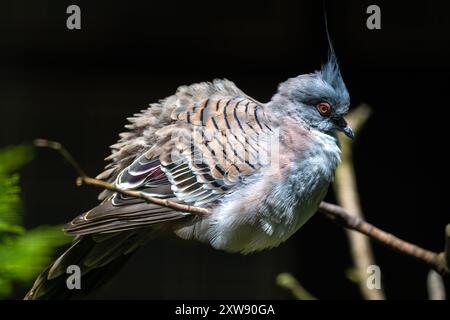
(43, 143)
(137, 194)
(334, 212)
(83, 178)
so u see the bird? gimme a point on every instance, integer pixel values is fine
(261, 168)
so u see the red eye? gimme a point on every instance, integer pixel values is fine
(324, 109)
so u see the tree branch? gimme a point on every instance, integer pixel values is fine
(343, 218)
(136, 194)
(435, 286)
(334, 212)
(83, 178)
(345, 188)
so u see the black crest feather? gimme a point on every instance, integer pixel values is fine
(330, 71)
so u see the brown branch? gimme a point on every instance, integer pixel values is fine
(446, 254)
(334, 212)
(347, 196)
(343, 218)
(136, 194)
(83, 178)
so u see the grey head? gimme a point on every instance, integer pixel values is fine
(319, 100)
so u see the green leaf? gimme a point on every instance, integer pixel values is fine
(287, 281)
(9, 199)
(9, 229)
(5, 287)
(25, 256)
(353, 275)
(13, 158)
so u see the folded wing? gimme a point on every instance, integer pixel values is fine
(193, 147)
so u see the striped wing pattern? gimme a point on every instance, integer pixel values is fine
(210, 145)
(221, 149)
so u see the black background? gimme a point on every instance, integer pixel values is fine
(78, 87)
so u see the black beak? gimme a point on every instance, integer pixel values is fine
(345, 128)
(349, 132)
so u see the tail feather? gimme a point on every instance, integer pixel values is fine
(99, 257)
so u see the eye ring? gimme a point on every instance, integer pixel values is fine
(324, 109)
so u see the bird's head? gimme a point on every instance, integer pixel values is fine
(319, 99)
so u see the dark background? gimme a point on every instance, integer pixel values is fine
(78, 87)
